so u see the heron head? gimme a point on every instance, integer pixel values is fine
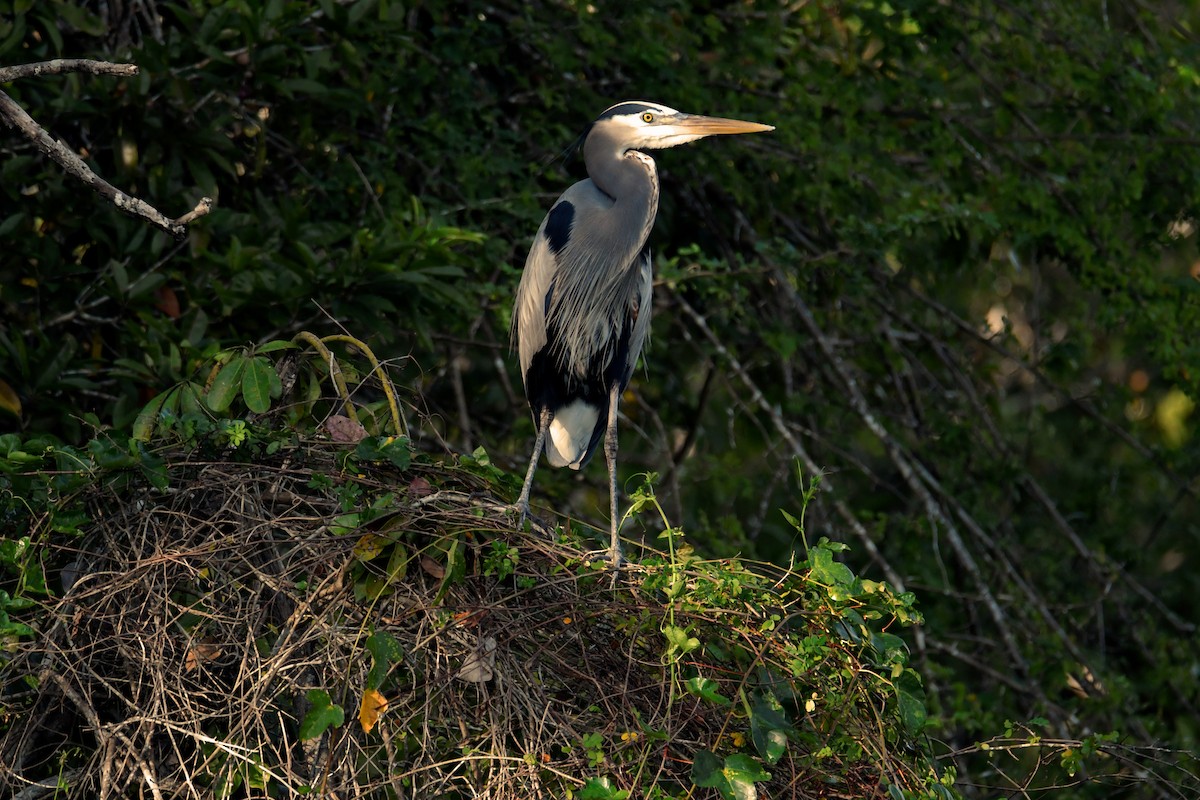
(638, 125)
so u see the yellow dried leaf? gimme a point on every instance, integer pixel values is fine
(368, 546)
(371, 709)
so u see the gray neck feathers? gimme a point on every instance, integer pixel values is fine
(630, 178)
(599, 270)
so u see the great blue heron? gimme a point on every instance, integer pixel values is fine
(583, 307)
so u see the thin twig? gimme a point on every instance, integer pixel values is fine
(16, 118)
(798, 450)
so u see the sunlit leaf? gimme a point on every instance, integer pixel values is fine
(371, 708)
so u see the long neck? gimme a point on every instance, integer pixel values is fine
(628, 177)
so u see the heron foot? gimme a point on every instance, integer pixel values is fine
(536, 525)
(615, 559)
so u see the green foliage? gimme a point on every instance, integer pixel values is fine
(733, 779)
(322, 714)
(501, 561)
(385, 652)
(601, 789)
(814, 675)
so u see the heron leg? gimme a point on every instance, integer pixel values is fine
(543, 425)
(610, 455)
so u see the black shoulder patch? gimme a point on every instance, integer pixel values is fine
(558, 226)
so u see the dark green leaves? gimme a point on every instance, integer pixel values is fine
(253, 378)
(385, 652)
(733, 778)
(769, 728)
(910, 696)
(391, 449)
(322, 714)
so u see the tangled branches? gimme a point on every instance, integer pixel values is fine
(218, 638)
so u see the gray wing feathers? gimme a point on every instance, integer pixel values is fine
(599, 277)
(641, 325)
(529, 319)
(596, 278)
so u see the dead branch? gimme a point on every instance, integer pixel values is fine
(16, 117)
(60, 66)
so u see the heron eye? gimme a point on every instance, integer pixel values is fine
(647, 117)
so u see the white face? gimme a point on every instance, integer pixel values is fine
(649, 126)
(654, 126)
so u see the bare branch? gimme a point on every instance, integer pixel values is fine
(797, 447)
(16, 117)
(60, 66)
(904, 465)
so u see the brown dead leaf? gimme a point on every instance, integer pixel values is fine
(419, 487)
(432, 567)
(166, 301)
(371, 709)
(200, 654)
(469, 619)
(480, 666)
(344, 429)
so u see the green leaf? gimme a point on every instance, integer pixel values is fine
(385, 651)
(147, 418)
(303, 86)
(108, 455)
(829, 572)
(345, 524)
(601, 789)
(68, 521)
(154, 469)
(226, 386)
(891, 649)
(10, 224)
(706, 689)
(52, 371)
(397, 566)
(275, 345)
(393, 449)
(706, 770)
(256, 384)
(769, 728)
(910, 696)
(679, 642)
(322, 714)
(733, 780)
(455, 566)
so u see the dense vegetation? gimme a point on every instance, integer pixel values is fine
(958, 283)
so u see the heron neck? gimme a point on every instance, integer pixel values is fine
(630, 178)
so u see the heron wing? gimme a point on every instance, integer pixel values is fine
(582, 315)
